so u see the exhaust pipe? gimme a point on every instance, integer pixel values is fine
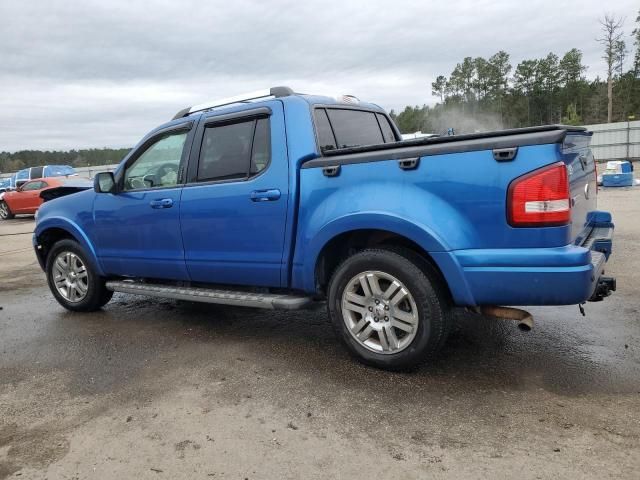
(524, 319)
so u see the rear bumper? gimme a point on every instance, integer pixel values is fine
(535, 276)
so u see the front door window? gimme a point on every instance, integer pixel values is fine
(158, 165)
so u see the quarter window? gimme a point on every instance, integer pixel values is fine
(343, 128)
(158, 165)
(387, 131)
(355, 128)
(325, 135)
(234, 151)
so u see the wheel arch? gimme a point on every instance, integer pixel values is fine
(55, 229)
(346, 243)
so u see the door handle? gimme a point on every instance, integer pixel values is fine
(265, 195)
(161, 203)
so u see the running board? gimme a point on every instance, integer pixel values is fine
(270, 301)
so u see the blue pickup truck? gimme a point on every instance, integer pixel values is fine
(282, 200)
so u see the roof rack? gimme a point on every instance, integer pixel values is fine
(276, 92)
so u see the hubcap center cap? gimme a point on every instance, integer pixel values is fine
(379, 310)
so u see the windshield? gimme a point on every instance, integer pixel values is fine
(59, 171)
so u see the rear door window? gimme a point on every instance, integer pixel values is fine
(234, 151)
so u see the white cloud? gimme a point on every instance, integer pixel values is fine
(91, 74)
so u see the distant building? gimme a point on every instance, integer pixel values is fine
(615, 141)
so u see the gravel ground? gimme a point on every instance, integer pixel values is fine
(162, 389)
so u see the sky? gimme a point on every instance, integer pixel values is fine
(84, 73)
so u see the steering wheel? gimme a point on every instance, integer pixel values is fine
(159, 177)
(136, 183)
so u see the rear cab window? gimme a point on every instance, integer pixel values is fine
(343, 128)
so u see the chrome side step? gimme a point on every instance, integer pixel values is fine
(270, 301)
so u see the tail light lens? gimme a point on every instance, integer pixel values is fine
(540, 198)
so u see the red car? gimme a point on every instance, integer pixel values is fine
(26, 199)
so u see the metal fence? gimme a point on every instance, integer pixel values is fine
(615, 141)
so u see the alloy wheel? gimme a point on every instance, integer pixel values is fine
(70, 276)
(379, 312)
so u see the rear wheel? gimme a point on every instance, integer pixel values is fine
(389, 311)
(5, 212)
(73, 281)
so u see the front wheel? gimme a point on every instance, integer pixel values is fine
(390, 310)
(73, 281)
(5, 212)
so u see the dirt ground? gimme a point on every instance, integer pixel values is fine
(152, 389)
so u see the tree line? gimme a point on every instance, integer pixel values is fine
(489, 93)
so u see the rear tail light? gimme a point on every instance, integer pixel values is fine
(540, 198)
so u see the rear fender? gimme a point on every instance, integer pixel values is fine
(304, 272)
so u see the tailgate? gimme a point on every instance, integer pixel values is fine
(581, 168)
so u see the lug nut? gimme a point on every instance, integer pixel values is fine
(386, 307)
(386, 319)
(377, 302)
(371, 309)
(375, 319)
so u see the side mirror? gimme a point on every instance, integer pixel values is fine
(104, 182)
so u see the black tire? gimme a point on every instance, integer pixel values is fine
(97, 294)
(431, 299)
(5, 211)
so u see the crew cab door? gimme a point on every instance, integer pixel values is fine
(234, 205)
(137, 228)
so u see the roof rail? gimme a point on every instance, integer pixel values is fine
(276, 92)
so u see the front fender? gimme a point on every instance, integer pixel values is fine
(74, 230)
